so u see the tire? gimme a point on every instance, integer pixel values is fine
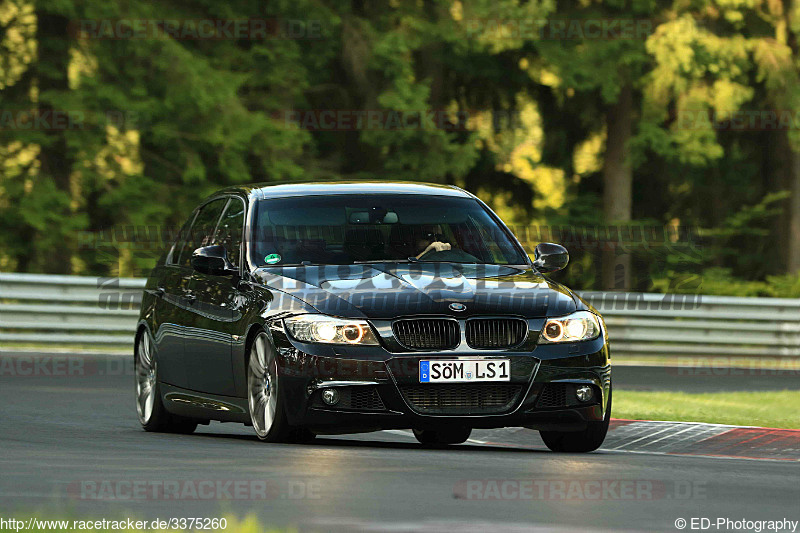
(264, 399)
(153, 416)
(442, 437)
(584, 441)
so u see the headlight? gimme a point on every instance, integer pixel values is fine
(579, 326)
(330, 330)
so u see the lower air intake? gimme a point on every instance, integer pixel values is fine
(461, 399)
(553, 395)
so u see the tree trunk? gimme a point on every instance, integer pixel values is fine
(791, 161)
(431, 61)
(52, 35)
(617, 189)
(18, 97)
(793, 222)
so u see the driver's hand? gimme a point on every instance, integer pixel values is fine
(435, 246)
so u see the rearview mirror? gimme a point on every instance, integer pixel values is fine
(213, 260)
(550, 257)
(376, 215)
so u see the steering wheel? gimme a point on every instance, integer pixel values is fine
(455, 256)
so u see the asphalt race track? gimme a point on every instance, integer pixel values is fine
(71, 447)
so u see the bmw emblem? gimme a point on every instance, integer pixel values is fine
(455, 306)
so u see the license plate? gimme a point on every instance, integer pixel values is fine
(464, 370)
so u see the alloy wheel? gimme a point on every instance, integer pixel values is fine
(145, 379)
(262, 386)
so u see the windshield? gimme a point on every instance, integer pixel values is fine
(345, 230)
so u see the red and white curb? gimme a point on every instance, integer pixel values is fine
(711, 440)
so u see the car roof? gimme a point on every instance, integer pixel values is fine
(323, 188)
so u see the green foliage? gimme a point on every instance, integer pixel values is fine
(520, 120)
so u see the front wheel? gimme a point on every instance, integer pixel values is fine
(584, 441)
(153, 416)
(263, 393)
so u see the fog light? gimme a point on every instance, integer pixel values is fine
(584, 393)
(330, 396)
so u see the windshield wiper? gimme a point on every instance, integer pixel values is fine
(376, 261)
(417, 260)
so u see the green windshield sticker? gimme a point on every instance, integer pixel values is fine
(271, 259)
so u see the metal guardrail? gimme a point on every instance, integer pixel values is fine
(68, 311)
(644, 324)
(74, 311)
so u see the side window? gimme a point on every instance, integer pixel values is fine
(229, 231)
(203, 228)
(174, 254)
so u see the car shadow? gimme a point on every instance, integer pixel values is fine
(467, 447)
(364, 441)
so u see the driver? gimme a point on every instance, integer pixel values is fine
(431, 240)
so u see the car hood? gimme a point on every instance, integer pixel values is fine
(389, 290)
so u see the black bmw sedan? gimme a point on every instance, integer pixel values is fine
(325, 308)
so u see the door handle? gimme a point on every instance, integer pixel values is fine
(160, 292)
(191, 297)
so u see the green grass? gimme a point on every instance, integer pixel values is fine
(777, 409)
(692, 361)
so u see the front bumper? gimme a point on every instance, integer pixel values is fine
(305, 370)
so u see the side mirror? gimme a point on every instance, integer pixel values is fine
(213, 260)
(549, 257)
